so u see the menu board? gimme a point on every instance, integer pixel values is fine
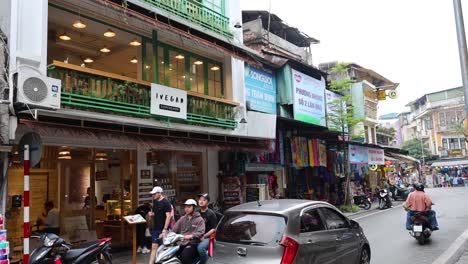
(252, 194)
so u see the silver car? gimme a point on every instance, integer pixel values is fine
(289, 232)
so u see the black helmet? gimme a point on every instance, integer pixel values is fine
(419, 187)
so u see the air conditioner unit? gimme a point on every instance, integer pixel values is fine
(36, 90)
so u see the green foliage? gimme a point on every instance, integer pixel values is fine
(349, 208)
(413, 146)
(341, 118)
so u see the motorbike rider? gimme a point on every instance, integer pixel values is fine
(192, 226)
(419, 201)
(210, 219)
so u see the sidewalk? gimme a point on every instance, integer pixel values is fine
(125, 257)
(464, 257)
(373, 208)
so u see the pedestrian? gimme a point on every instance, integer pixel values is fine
(159, 219)
(210, 219)
(52, 221)
(142, 210)
(192, 227)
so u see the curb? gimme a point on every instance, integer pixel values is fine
(455, 251)
(362, 211)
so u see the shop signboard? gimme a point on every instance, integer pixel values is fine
(358, 154)
(376, 156)
(455, 152)
(332, 108)
(167, 101)
(309, 99)
(260, 88)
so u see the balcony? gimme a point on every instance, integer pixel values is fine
(445, 128)
(84, 88)
(197, 13)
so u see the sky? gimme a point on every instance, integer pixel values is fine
(411, 42)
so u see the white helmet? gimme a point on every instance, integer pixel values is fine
(191, 202)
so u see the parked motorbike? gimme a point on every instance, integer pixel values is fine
(362, 201)
(421, 230)
(56, 250)
(168, 252)
(399, 193)
(384, 199)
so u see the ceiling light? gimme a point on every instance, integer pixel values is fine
(214, 68)
(105, 49)
(79, 24)
(88, 60)
(64, 36)
(198, 62)
(64, 155)
(135, 43)
(179, 56)
(147, 66)
(134, 60)
(101, 156)
(109, 33)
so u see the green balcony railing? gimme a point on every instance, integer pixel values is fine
(95, 90)
(196, 13)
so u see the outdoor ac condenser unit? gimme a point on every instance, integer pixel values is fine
(36, 90)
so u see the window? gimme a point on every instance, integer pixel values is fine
(197, 82)
(366, 133)
(454, 143)
(462, 143)
(148, 63)
(460, 116)
(161, 65)
(251, 229)
(176, 69)
(450, 118)
(333, 219)
(214, 80)
(311, 222)
(215, 5)
(428, 123)
(444, 144)
(442, 119)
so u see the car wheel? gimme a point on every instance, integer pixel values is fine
(364, 258)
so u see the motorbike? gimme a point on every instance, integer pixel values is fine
(362, 201)
(56, 250)
(168, 252)
(384, 199)
(399, 193)
(421, 230)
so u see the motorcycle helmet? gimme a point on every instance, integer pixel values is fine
(419, 187)
(191, 202)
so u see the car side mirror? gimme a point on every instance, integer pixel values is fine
(354, 224)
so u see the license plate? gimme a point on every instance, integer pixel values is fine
(417, 228)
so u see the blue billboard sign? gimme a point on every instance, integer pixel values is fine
(260, 87)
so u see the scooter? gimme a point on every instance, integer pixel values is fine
(362, 201)
(56, 250)
(168, 252)
(384, 200)
(399, 193)
(421, 230)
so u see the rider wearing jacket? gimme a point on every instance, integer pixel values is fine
(192, 226)
(419, 201)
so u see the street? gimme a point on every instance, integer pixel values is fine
(391, 243)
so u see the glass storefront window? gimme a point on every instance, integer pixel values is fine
(148, 63)
(214, 80)
(197, 82)
(177, 69)
(161, 64)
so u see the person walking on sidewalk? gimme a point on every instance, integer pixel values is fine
(142, 210)
(159, 218)
(210, 219)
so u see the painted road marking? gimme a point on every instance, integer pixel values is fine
(379, 212)
(452, 251)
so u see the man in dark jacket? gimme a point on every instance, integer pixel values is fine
(209, 216)
(192, 226)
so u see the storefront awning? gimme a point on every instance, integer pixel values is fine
(404, 157)
(99, 138)
(450, 163)
(389, 158)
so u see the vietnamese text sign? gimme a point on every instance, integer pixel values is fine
(358, 154)
(376, 156)
(260, 88)
(309, 101)
(170, 102)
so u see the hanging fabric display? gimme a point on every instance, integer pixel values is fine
(300, 152)
(323, 154)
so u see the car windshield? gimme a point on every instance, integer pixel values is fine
(252, 229)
